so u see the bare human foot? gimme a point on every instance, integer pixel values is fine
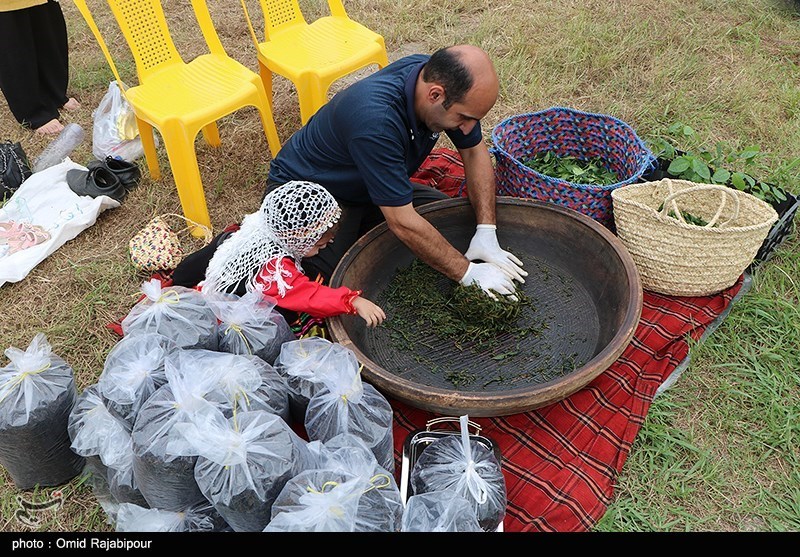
(71, 104)
(50, 128)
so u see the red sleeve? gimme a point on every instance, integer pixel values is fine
(308, 296)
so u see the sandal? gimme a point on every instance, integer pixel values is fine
(21, 235)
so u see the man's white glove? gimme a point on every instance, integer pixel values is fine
(484, 246)
(490, 278)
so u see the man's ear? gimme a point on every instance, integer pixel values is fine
(436, 93)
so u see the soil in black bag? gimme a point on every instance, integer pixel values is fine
(165, 482)
(38, 452)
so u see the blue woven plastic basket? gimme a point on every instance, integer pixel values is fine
(567, 132)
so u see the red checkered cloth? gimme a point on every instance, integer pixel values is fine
(561, 462)
(443, 170)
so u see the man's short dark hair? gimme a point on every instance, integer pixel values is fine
(446, 68)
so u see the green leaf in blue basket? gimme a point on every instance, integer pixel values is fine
(738, 181)
(721, 176)
(701, 169)
(679, 165)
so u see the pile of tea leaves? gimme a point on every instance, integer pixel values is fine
(572, 169)
(418, 298)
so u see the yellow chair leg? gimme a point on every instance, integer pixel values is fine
(268, 122)
(149, 146)
(312, 95)
(183, 161)
(211, 134)
(266, 79)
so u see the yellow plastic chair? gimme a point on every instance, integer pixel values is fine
(312, 56)
(179, 99)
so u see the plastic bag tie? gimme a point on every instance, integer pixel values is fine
(238, 329)
(12, 384)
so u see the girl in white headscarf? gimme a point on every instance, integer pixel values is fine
(295, 221)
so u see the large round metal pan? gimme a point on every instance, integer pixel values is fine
(586, 297)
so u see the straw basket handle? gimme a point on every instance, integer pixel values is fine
(724, 190)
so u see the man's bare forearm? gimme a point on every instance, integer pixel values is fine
(425, 241)
(480, 183)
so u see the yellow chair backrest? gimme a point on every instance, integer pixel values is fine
(144, 27)
(280, 15)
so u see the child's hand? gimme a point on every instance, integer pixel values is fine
(369, 312)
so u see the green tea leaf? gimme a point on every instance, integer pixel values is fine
(701, 169)
(738, 181)
(679, 165)
(721, 176)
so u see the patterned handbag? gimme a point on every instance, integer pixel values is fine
(156, 247)
(14, 168)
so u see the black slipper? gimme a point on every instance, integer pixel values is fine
(97, 181)
(128, 173)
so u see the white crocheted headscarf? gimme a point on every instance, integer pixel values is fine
(291, 219)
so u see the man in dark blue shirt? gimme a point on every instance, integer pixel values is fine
(366, 142)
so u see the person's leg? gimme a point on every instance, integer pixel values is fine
(427, 194)
(53, 53)
(19, 69)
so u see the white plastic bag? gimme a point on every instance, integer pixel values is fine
(440, 511)
(115, 133)
(457, 463)
(243, 463)
(134, 370)
(345, 404)
(249, 325)
(37, 393)
(179, 313)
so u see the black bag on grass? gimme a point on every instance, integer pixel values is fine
(165, 479)
(37, 393)
(249, 325)
(179, 313)
(243, 463)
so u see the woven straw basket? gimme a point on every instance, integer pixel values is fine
(681, 259)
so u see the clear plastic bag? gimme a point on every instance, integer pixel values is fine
(37, 393)
(304, 362)
(463, 466)
(166, 479)
(96, 433)
(381, 506)
(318, 501)
(196, 518)
(235, 382)
(180, 314)
(345, 404)
(249, 325)
(243, 463)
(440, 511)
(134, 370)
(115, 132)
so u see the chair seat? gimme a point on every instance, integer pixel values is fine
(196, 91)
(328, 46)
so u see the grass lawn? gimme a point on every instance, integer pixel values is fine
(720, 449)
